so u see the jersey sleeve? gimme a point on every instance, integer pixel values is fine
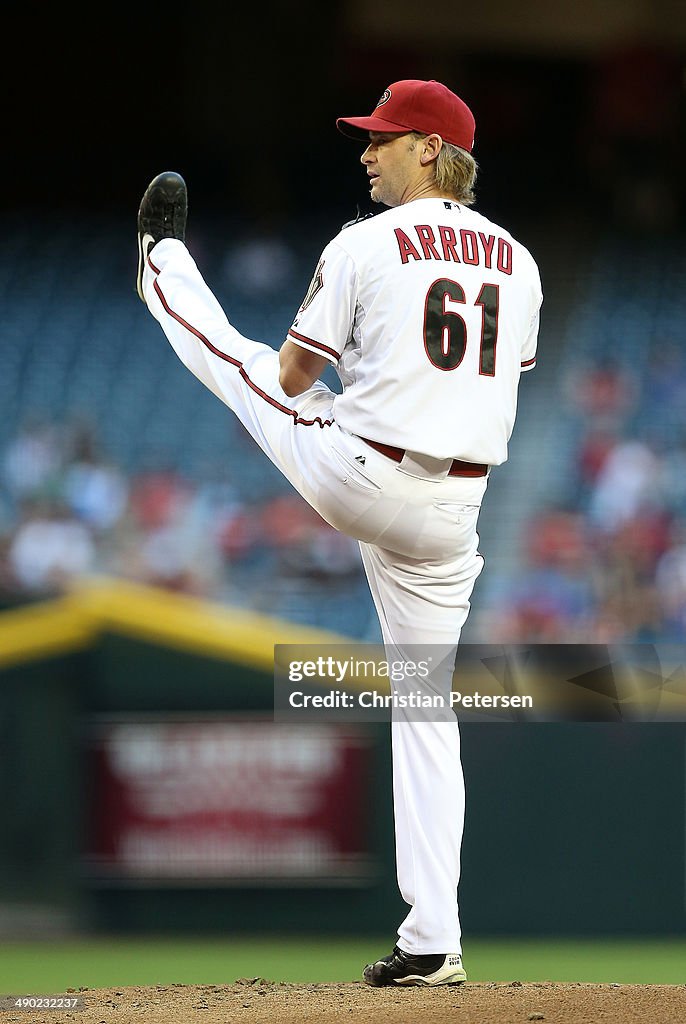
(528, 356)
(323, 323)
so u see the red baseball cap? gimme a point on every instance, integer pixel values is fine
(416, 106)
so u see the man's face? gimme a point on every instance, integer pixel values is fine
(393, 165)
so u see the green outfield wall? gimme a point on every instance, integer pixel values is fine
(574, 829)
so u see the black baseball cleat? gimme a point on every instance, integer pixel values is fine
(401, 968)
(162, 214)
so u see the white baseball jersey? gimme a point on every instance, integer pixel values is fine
(435, 295)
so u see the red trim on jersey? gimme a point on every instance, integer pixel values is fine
(529, 362)
(235, 362)
(316, 344)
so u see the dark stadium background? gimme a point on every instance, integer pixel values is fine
(245, 106)
(581, 146)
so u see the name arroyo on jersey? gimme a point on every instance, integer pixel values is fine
(464, 246)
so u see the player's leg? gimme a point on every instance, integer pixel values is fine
(428, 785)
(350, 485)
(340, 476)
(422, 606)
(243, 373)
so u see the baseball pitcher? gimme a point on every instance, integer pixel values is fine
(429, 312)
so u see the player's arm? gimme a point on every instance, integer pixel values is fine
(299, 368)
(530, 342)
(323, 323)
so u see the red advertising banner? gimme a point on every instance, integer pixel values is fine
(225, 801)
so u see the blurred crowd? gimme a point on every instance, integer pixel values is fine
(603, 561)
(606, 562)
(68, 511)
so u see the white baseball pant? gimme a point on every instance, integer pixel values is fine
(418, 540)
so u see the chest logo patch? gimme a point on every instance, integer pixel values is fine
(316, 285)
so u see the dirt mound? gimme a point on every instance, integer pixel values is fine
(256, 1000)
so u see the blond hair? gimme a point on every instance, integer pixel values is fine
(454, 171)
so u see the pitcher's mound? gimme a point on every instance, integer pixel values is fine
(256, 1000)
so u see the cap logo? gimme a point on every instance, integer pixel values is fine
(385, 97)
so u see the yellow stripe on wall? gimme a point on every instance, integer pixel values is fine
(174, 620)
(40, 631)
